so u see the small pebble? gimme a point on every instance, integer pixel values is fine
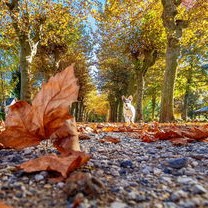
(126, 164)
(177, 195)
(169, 205)
(39, 177)
(186, 180)
(118, 204)
(60, 185)
(199, 189)
(177, 163)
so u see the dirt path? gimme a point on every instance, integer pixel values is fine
(130, 173)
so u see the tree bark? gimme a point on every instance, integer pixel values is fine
(149, 60)
(174, 32)
(2, 100)
(113, 112)
(187, 95)
(140, 94)
(120, 112)
(81, 111)
(25, 92)
(153, 105)
(74, 110)
(172, 54)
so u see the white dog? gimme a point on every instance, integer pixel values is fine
(128, 109)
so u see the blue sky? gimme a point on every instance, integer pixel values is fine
(91, 19)
(92, 24)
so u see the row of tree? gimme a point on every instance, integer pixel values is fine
(139, 46)
(141, 40)
(38, 39)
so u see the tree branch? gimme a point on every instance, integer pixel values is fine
(13, 7)
(149, 60)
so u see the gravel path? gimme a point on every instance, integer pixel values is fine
(127, 174)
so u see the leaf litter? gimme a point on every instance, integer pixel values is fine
(177, 134)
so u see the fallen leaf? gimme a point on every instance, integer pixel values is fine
(109, 129)
(51, 104)
(204, 140)
(100, 126)
(148, 138)
(27, 125)
(197, 133)
(3, 205)
(66, 137)
(122, 129)
(62, 164)
(179, 141)
(84, 137)
(110, 140)
(18, 133)
(168, 134)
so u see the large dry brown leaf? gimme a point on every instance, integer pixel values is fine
(60, 137)
(3, 205)
(62, 164)
(27, 125)
(51, 105)
(18, 127)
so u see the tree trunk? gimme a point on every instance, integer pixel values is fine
(141, 70)
(172, 54)
(16, 78)
(2, 100)
(113, 112)
(187, 95)
(185, 105)
(74, 110)
(120, 112)
(86, 116)
(81, 111)
(153, 105)
(174, 32)
(25, 93)
(140, 94)
(116, 111)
